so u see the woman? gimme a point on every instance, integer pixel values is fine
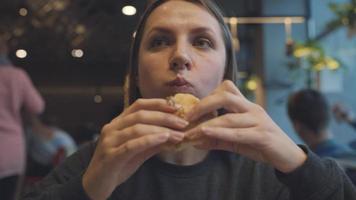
(19, 99)
(184, 47)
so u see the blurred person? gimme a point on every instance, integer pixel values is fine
(87, 133)
(343, 114)
(47, 145)
(309, 112)
(18, 97)
(185, 47)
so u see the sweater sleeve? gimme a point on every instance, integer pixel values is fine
(317, 179)
(65, 181)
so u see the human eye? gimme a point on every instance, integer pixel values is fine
(159, 42)
(203, 43)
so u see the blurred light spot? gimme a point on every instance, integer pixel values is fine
(80, 29)
(59, 5)
(77, 53)
(287, 20)
(233, 20)
(36, 23)
(252, 85)
(21, 53)
(129, 10)
(18, 32)
(23, 12)
(98, 99)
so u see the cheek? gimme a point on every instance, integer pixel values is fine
(210, 76)
(147, 68)
(150, 70)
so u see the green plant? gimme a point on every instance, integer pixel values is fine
(315, 56)
(346, 16)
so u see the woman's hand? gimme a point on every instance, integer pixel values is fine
(245, 129)
(127, 141)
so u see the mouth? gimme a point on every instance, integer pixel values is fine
(179, 81)
(180, 85)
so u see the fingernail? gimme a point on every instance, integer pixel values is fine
(177, 135)
(182, 123)
(206, 130)
(163, 136)
(172, 108)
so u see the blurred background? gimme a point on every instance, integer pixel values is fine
(76, 53)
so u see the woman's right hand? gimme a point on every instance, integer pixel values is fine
(138, 133)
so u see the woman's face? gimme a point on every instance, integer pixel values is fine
(182, 50)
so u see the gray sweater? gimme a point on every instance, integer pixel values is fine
(221, 176)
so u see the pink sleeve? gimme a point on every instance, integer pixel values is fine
(32, 100)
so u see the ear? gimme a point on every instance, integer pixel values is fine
(298, 127)
(300, 130)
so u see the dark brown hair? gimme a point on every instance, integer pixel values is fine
(131, 92)
(310, 108)
(3, 47)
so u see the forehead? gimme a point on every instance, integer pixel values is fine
(181, 14)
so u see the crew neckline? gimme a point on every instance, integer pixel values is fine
(183, 171)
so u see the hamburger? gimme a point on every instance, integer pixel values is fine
(184, 103)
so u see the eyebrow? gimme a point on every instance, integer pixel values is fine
(160, 30)
(197, 30)
(202, 30)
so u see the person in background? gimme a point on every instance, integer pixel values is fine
(184, 46)
(87, 133)
(47, 146)
(18, 97)
(342, 114)
(309, 113)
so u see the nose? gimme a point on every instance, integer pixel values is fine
(180, 59)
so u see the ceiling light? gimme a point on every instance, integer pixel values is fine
(77, 53)
(21, 53)
(129, 10)
(98, 98)
(23, 12)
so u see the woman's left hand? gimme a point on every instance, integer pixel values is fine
(246, 129)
